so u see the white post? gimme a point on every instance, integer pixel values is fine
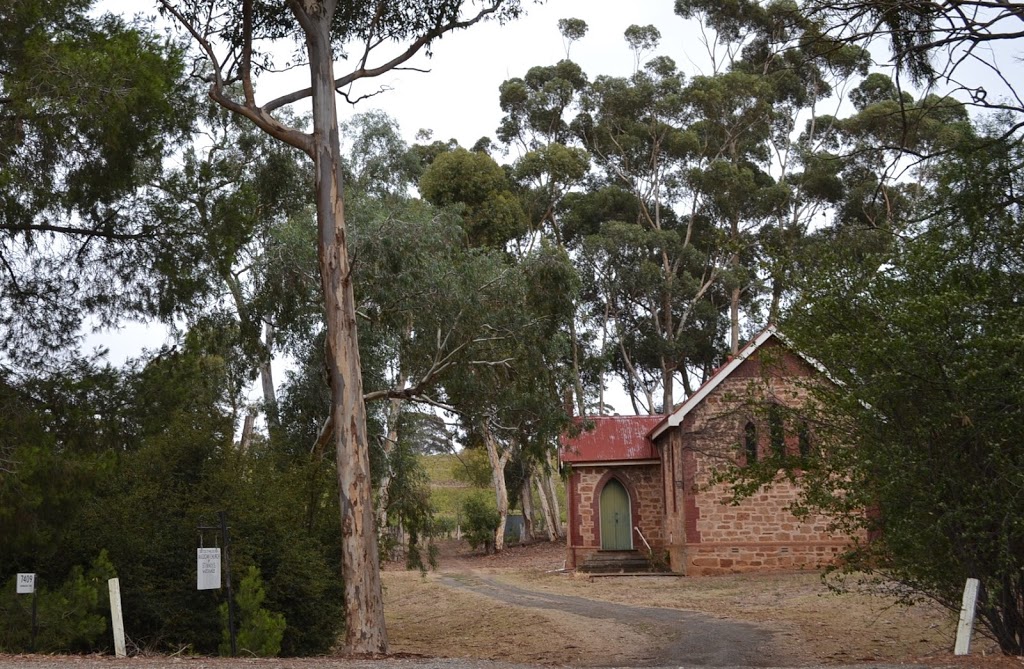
(116, 621)
(966, 626)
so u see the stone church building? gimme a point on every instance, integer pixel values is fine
(644, 483)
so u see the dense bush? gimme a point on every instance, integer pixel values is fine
(479, 523)
(924, 336)
(72, 616)
(259, 631)
(132, 462)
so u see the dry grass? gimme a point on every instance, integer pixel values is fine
(430, 619)
(811, 624)
(797, 607)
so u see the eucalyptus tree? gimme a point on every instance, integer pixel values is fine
(496, 225)
(230, 198)
(510, 402)
(658, 270)
(420, 265)
(539, 110)
(421, 316)
(810, 50)
(89, 106)
(772, 68)
(381, 171)
(960, 49)
(471, 181)
(887, 139)
(229, 37)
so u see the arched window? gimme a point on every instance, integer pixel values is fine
(804, 436)
(750, 442)
(776, 431)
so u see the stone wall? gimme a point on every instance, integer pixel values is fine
(706, 532)
(643, 483)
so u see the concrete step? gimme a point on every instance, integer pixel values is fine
(616, 562)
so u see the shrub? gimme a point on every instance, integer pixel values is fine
(71, 617)
(259, 631)
(480, 522)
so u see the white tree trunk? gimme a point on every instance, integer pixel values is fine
(498, 458)
(383, 488)
(552, 491)
(365, 630)
(247, 429)
(267, 377)
(550, 521)
(526, 495)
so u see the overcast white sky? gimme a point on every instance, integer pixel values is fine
(458, 97)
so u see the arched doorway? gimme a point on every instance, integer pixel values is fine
(616, 519)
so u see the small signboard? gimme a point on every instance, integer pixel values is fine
(26, 584)
(208, 569)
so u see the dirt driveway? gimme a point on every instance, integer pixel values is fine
(675, 638)
(519, 607)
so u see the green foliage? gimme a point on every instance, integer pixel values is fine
(88, 107)
(536, 105)
(479, 187)
(479, 522)
(236, 203)
(380, 164)
(259, 631)
(920, 442)
(408, 500)
(572, 29)
(133, 461)
(916, 34)
(642, 38)
(72, 617)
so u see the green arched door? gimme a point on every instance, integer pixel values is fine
(616, 520)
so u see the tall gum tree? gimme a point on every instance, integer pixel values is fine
(538, 110)
(490, 395)
(659, 271)
(228, 35)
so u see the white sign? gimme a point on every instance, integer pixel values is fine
(208, 569)
(26, 584)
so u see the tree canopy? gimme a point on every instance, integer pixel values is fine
(89, 106)
(923, 335)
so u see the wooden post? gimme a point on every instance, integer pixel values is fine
(35, 626)
(966, 626)
(26, 585)
(116, 620)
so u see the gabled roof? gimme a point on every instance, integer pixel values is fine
(613, 439)
(675, 418)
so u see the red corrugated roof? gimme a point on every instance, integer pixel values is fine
(613, 438)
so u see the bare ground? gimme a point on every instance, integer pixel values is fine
(469, 608)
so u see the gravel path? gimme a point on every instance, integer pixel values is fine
(679, 638)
